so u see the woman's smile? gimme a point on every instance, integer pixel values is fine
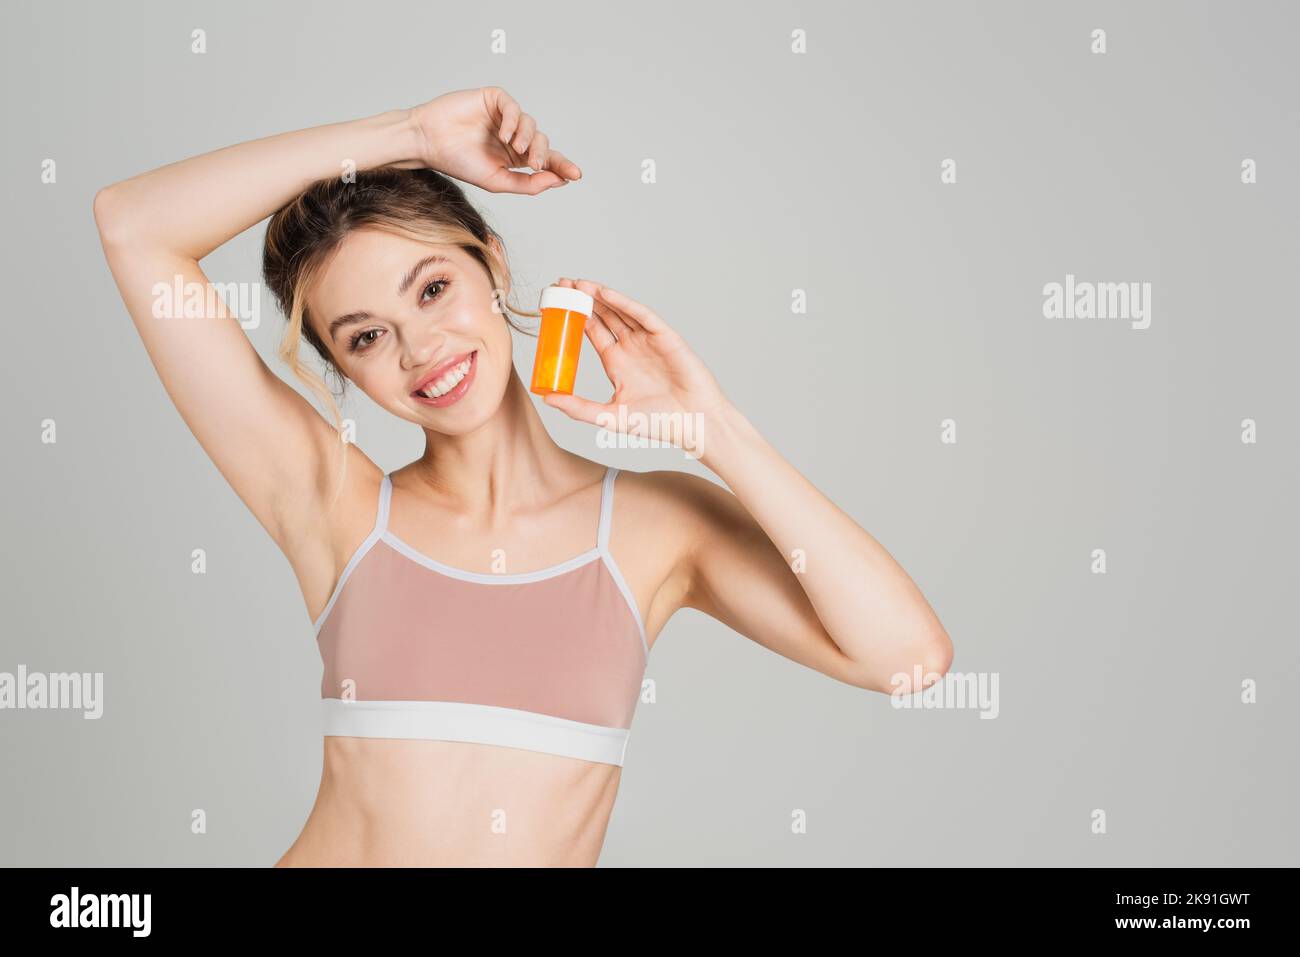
(447, 384)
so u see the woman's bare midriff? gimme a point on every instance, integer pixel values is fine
(413, 803)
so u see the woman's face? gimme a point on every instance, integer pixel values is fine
(413, 326)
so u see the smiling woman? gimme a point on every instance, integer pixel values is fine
(484, 615)
(340, 242)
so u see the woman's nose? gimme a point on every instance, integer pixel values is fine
(419, 346)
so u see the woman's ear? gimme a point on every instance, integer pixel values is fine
(498, 251)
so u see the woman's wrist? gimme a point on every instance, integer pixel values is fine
(399, 139)
(725, 434)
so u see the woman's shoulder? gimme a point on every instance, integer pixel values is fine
(335, 520)
(663, 520)
(672, 488)
(670, 503)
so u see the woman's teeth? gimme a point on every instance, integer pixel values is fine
(448, 381)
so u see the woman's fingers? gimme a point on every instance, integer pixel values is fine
(538, 150)
(606, 317)
(600, 335)
(527, 184)
(622, 313)
(524, 135)
(598, 331)
(631, 311)
(525, 145)
(561, 164)
(612, 319)
(551, 166)
(510, 114)
(576, 407)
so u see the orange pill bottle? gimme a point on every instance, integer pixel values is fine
(559, 340)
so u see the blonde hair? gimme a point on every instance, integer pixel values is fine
(419, 204)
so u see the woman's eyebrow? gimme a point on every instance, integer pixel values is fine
(347, 320)
(415, 271)
(405, 284)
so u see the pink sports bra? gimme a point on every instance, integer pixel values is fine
(549, 660)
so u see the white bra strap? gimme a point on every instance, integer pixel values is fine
(385, 500)
(606, 509)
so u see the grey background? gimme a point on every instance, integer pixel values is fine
(776, 172)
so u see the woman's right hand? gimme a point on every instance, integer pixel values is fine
(477, 136)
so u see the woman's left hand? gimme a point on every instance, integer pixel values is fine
(480, 136)
(662, 391)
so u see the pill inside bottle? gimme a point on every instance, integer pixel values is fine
(559, 340)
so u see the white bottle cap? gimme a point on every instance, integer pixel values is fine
(566, 297)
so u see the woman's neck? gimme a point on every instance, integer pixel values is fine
(510, 458)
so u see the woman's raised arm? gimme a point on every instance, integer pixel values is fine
(770, 556)
(272, 446)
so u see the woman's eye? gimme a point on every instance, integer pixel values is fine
(359, 341)
(437, 282)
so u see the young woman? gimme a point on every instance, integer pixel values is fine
(484, 613)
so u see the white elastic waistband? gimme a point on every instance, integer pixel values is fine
(474, 723)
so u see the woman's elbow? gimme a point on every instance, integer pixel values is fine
(921, 664)
(109, 218)
(937, 655)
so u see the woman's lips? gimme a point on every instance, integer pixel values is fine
(457, 391)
